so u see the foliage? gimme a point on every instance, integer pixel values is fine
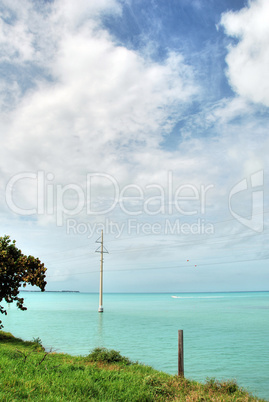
(16, 270)
(27, 372)
(230, 386)
(37, 341)
(107, 356)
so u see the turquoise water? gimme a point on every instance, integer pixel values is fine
(225, 334)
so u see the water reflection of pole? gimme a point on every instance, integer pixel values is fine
(100, 330)
(101, 250)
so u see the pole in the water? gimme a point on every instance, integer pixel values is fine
(101, 251)
(101, 309)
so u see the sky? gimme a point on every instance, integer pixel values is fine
(147, 119)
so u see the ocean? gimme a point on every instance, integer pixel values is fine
(225, 334)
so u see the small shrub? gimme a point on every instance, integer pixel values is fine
(38, 341)
(212, 383)
(228, 387)
(6, 336)
(157, 385)
(107, 356)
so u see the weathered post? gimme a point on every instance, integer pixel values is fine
(180, 353)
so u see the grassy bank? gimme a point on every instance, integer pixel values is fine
(27, 371)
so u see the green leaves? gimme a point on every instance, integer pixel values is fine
(16, 270)
(107, 356)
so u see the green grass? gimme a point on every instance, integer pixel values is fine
(28, 372)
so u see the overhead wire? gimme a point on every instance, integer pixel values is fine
(175, 244)
(206, 237)
(161, 268)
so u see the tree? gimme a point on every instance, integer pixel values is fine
(16, 270)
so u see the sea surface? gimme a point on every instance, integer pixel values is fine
(225, 334)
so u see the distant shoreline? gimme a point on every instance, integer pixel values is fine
(52, 291)
(144, 293)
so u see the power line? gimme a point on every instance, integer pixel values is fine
(174, 244)
(150, 234)
(164, 267)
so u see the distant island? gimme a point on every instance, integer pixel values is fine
(53, 291)
(70, 291)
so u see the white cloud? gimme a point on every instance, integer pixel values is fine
(73, 15)
(15, 42)
(248, 60)
(93, 105)
(102, 98)
(105, 109)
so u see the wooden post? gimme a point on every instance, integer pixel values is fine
(180, 353)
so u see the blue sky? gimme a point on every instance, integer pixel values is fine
(147, 119)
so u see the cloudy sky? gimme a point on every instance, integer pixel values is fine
(147, 119)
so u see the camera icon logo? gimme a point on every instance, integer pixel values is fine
(255, 222)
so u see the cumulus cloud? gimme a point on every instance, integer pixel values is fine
(101, 97)
(73, 101)
(248, 59)
(96, 106)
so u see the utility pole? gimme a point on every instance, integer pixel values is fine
(101, 250)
